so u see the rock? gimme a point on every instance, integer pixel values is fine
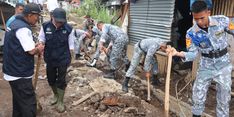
(142, 87)
(73, 95)
(86, 108)
(95, 98)
(80, 85)
(131, 110)
(96, 105)
(102, 107)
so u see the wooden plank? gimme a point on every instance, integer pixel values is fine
(84, 98)
(167, 87)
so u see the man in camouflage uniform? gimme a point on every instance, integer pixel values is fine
(88, 21)
(208, 37)
(120, 41)
(80, 35)
(147, 47)
(97, 35)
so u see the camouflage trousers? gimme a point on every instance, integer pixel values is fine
(78, 45)
(98, 52)
(138, 53)
(222, 78)
(118, 52)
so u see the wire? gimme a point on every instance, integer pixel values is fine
(176, 90)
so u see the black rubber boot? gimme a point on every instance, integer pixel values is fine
(196, 115)
(125, 84)
(155, 80)
(92, 64)
(110, 75)
(78, 56)
(127, 66)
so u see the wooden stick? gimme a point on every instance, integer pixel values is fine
(148, 89)
(37, 72)
(39, 107)
(3, 20)
(167, 87)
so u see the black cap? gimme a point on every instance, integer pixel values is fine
(59, 15)
(32, 8)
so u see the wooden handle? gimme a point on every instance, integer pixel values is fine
(148, 89)
(3, 20)
(37, 72)
(167, 87)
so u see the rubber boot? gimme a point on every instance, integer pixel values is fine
(110, 75)
(93, 64)
(79, 57)
(127, 66)
(125, 84)
(55, 98)
(60, 104)
(196, 115)
(155, 80)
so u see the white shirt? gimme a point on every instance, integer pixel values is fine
(26, 40)
(71, 38)
(52, 4)
(37, 1)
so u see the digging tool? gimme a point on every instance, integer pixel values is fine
(167, 87)
(148, 89)
(39, 107)
(3, 20)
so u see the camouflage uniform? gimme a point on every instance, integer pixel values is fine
(120, 41)
(80, 36)
(216, 69)
(97, 38)
(147, 47)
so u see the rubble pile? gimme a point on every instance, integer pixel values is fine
(89, 92)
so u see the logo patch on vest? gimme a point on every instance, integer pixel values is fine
(64, 31)
(48, 30)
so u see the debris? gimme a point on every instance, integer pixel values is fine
(131, 110)
(83, 98)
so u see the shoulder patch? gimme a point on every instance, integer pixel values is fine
(188, 42)
(231, 24)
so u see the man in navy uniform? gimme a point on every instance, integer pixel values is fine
(18, 60)
(119, 48)
(209, 37)
(58, 38)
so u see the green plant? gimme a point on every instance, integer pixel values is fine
(95, 9)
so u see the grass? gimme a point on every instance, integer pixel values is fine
(95, 9)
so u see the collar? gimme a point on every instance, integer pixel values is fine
(212, 21)
(62, 27)
(21, 17)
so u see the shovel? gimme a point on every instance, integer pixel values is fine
(148, 89)
(39, 107)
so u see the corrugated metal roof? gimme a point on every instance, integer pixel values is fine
(9, 2)
(150, 18)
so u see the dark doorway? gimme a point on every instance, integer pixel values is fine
(181, 23)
